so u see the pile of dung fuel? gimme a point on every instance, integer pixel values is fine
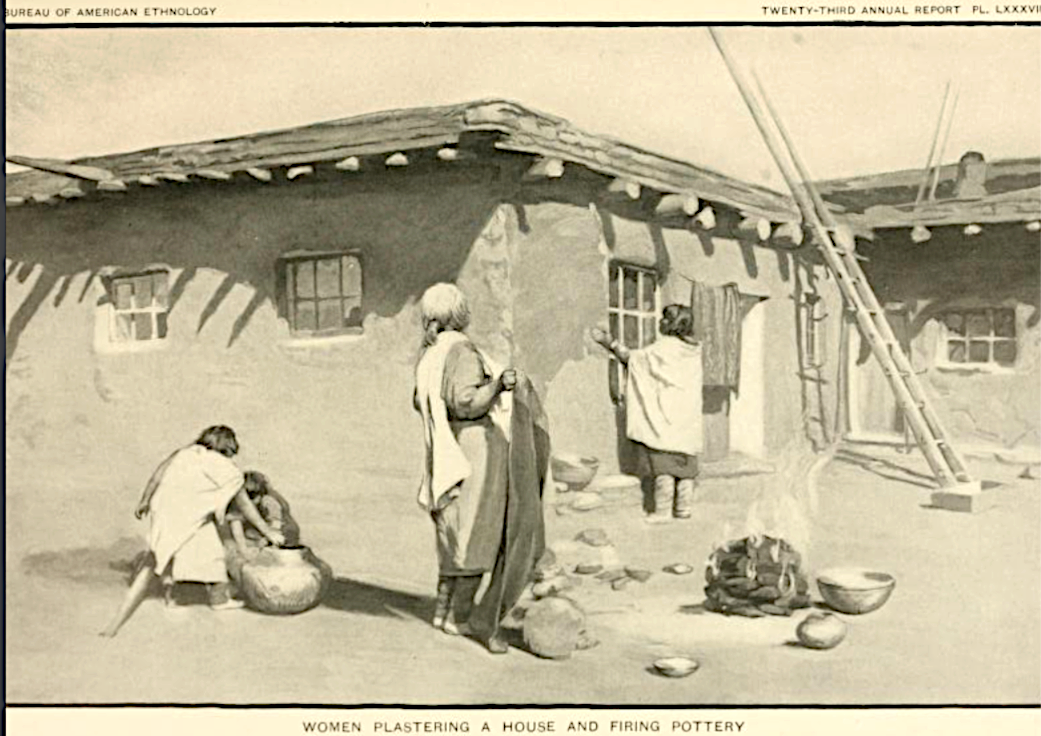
(755, 576)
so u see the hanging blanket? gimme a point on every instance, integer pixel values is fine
(717, 326)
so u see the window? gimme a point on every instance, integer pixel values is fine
(324, 293)
(812, 320)
(979, 337)
(632, 313)
(139, 306)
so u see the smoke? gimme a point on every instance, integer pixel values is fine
(787, 503)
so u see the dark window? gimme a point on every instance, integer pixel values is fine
(980, 336)
(324, 293)
(139, 306)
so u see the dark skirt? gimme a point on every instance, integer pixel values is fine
(652, 463)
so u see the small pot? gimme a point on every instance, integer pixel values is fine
(821, 631)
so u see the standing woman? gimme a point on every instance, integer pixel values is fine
(663, 409)
(466, 430)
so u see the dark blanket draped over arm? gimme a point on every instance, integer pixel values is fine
(524, 539)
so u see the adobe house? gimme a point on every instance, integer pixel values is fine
(960, 278)
(270, 282)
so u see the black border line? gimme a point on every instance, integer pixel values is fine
(536, 706)
(506, 706)
(526, 24)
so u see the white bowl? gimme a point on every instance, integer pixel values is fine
(675, 666)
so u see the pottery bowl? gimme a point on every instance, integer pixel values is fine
(855, 590)
(575, 470)
(675, 666)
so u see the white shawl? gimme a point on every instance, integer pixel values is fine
(446, 465)
(663, 396)
(196, 485)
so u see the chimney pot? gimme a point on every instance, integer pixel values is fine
(972, 176)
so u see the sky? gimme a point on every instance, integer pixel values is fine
(857, 100)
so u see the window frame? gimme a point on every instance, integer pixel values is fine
(946, 337)
(617, 312)
(158, 305)
(288, 265)
(813, 320)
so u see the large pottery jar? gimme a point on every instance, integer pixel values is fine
(284, 580)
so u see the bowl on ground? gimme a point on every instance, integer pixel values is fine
(574, 470)
(855, 590)
(675, 666)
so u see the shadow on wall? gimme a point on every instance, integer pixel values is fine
(1000, 264)
(410, 230)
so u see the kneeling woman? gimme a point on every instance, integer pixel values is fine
(186, 499)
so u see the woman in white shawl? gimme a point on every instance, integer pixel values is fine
(663, 409)
(185, 499)
(464, 486)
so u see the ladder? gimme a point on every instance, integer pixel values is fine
(837, 246)
(944, 460)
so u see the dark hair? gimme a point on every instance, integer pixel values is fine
(677, 321)
(219, 439)
(256, 484)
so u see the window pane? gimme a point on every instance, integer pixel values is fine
(160, 287)
(123, 293)
(956, 352)
(977, 324)
(142, 291)
(979, 351)
(649, 335)
(631, 331)
(142, 326)
(612, 287)
(1005, 352)
(613, 325)
(352, 311)
(330, 314)
(304, 278)
(647, 292)
(328, 277)
(306, 316)
(160, 319)
(1004, 323)
(629, 289)
(955, 323)
(122, 327)
(351, 276)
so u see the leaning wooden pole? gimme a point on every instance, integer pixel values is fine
(840, 257)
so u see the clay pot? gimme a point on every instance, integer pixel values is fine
(821, 631)
(284, 580)
(575, 470)
(553, 627)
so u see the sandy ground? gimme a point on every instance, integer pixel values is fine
(962, 626)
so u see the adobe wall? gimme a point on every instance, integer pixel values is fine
(85, 428)
(556, 307)
(1000, 267)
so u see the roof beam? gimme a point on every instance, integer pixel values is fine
(53, 166)
(630, 188)
(758, 225)
(549, 168)
(675, 204)
(259, 174)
